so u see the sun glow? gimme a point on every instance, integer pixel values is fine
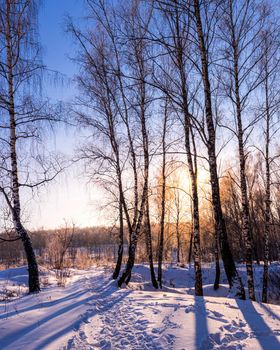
(180, 178)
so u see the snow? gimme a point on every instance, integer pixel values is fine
(90, 312)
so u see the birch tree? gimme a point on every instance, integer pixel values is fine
(98, 111)
(137, 22)
(269, 67)
(122, 95)
(23, 114)
(174, 40)
(204, 31)
(163, 193)
(241, 23)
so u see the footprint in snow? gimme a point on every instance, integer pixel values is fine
(105, 345)
(82, 335)
(189, 308)
(217, 314)
(170, 339)
(231, 306)
(157, 330)
(214, 315)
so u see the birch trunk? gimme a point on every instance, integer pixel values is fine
(232, 275)
(163, 193)
(33, 272)
(150, 246)
(247, 236)
(125, 277)
(267, 189)
(144, 199)
(120, 248)
(217, 263)
(191, 159)
(190, 248)
(178, 239)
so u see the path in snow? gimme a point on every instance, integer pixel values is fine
(92, 313)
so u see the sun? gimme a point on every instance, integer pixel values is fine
(180, 178)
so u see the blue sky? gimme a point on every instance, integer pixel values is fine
(57, 45)
(69, 197)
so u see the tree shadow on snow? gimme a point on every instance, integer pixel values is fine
(41, 305)
(100, 295)
(260, 329)
(270, 312)
(201, 327)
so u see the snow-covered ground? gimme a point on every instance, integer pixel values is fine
(90, 312)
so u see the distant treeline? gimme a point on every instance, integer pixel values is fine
(101, 242)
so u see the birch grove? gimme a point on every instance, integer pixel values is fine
(175, 83)
(178, 103)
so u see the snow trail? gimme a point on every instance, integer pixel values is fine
(91, 313)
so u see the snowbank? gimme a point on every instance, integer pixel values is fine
(90, 312)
